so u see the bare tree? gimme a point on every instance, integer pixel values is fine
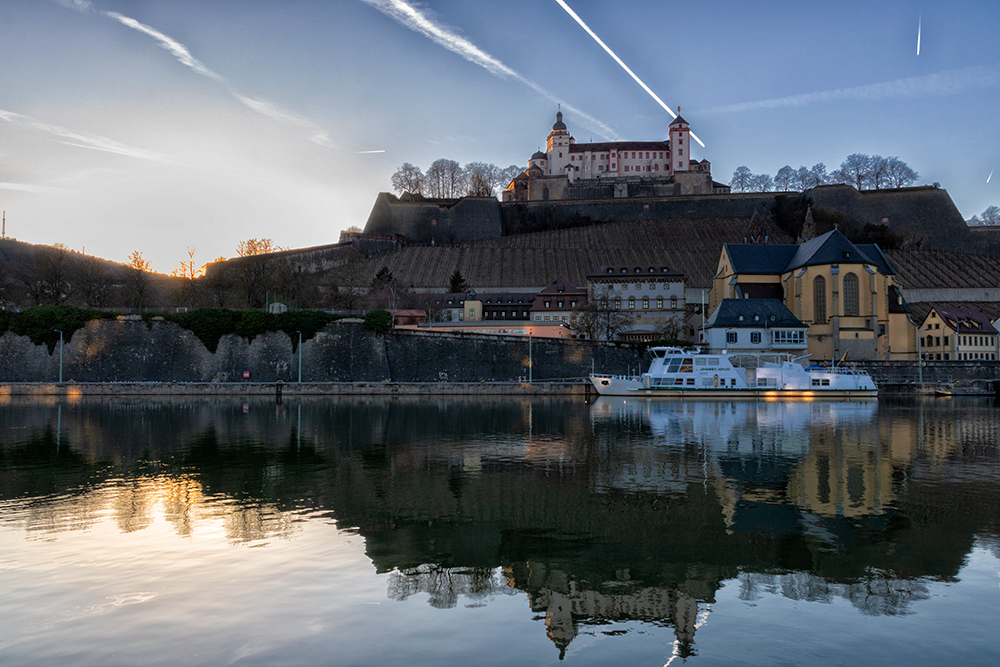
(445, 179)
(137, 281)
(761, 183)
(187, 292)
(601, 318)
(484, 178)
(817, 176)
(783, 179)
(741, 179)
(94, 282)
(408, 178)
(256, 269)
(855, 170)
(47, 279)
(899, 174)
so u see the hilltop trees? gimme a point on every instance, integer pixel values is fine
(989, 217)
(137, 284)
(864, 172)
(447, 179)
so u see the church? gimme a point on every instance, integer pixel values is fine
(613, 169)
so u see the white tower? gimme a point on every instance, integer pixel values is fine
(558, 147)
(680, 144)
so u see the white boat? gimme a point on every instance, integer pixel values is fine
(676, 372)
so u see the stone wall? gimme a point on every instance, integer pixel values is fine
(129, 351)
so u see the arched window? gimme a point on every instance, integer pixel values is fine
(659, 302)
(673, 303)
(631, 303)
(819, 299)
(851, 294)
(618, 303)
(645, 303)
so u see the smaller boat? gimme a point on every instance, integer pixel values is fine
(676, 372)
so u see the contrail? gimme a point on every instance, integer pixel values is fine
(625, 67)
(317, 135)
(80, 140)
(920, 20)
(951, 82)
(417, 21)
(370, 152)
(990, 176)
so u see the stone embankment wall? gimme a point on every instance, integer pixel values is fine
(129, 351)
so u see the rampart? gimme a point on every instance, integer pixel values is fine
(129, 351)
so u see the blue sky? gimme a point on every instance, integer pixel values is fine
(154, 126)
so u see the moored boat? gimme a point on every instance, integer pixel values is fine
(675, 372)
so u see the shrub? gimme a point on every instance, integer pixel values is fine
(378, 321)
(40, 323)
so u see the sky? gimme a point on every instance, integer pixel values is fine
(157, 126)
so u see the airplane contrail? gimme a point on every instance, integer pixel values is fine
(184, 56)
(990, 176)
(370, 152)
(618, 60)
(920, 20)
(81, 140)
(413, 18)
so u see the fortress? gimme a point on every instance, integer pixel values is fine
(618, 169)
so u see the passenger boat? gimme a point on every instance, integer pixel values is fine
(676, 372)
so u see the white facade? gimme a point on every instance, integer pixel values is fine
(653, 297)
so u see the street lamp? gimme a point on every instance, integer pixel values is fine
(300, 356)
(60, 354)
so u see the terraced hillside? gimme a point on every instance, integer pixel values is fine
(927, 269)
(691, 246)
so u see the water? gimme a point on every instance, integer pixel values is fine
(498, 532)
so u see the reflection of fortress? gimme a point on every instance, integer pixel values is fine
(623, 511)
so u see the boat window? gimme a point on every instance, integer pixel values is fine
(673, 364)
(713, 362)
(690, 381)
(700, 362)
(659, 354)
(687, 367)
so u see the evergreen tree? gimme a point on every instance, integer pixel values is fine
(457, 283)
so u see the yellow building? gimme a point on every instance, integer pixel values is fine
(845, 293)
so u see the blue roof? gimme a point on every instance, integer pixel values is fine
(732, 313)
(830, 248)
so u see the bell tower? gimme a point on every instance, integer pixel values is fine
(680, 144)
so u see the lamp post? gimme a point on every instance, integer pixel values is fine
(300, 356)
(60, 354)
(530, 364)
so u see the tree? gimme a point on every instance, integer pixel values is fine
(991, 216)
(855, 170)
(899, 174)
(817, 176)
(484, 179)
(187, 291)
(599, 318)
(255, 271)
(741, 179)
(137, 283)
(47, 279)
(761, 183)
(456, 283)
(93, 282)
(445, 179)
(218, 282)
(382, 278)
(877, 176)
(800, 179)
(378, 321)
(352, 279)
(408, 178)
(783, 179)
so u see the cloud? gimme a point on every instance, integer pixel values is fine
(34, 189)
(78, 5)
(413, 18)
(952, 82)
(274, 112)
(79, 139)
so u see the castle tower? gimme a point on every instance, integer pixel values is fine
(558, 146)
(680, 144)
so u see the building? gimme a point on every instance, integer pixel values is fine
(957, 334)
(558, 302)
(501, 306)
(649, 299)
(755, 326)
(571, 170)
(846, 294)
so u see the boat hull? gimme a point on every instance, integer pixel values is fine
(632, 387)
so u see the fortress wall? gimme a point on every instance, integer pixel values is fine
(128, 351)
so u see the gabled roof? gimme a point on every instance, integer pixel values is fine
(562, 285)
(744, 313)
(632, 270)
(830, 248)
(966, 320)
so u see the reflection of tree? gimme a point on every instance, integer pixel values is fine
(446, 584)
(875, 595)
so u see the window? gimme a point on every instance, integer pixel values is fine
(946, 341)
(673, 303)
(618, 303)
(755, 337)
(645, 303)
(631, 303)
(819, 299)
(659, 302)
(731, 337)
(851, 295)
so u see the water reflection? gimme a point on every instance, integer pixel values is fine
(618, 511)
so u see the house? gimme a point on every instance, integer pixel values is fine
(845, 293)
(558, 301)
(957, 334)
(649, 298)
(755, 326)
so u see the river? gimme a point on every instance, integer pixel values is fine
(498, 531)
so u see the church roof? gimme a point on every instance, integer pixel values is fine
(679, 120)
(830, 248)
(752, 313)
(559, 124)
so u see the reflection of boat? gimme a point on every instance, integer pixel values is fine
(676, 373)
